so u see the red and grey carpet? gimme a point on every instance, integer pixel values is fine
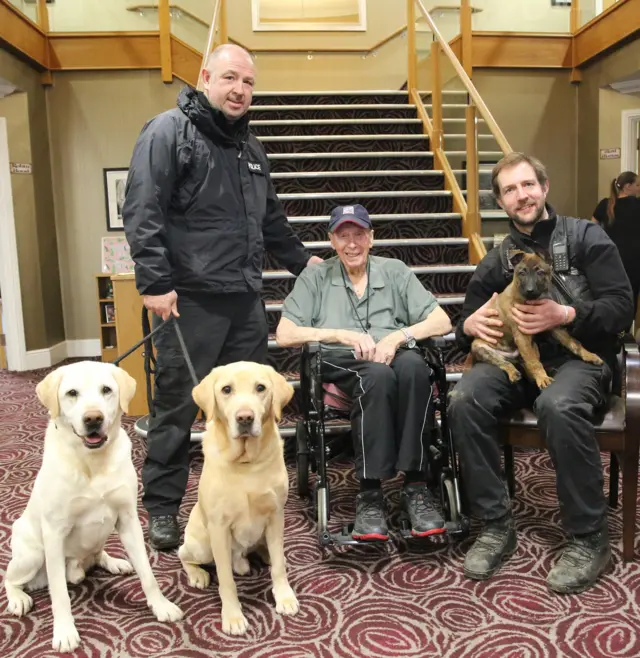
(403, 599)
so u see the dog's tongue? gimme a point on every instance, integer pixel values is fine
(93, 438)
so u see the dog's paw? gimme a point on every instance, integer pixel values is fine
(592, 358)
(233, 621)
(199, 578)
(514, 376)
(75, 573)
(164, 610)
(286, 602)
(543, 381)
(65, 636)
(115, 565)
(241, 565)
(19, 603)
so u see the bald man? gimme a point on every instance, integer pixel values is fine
(199, 210)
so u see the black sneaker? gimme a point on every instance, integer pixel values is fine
(582, 562)
(370, 523)
(494, 545)
(164, 532)
(417, 502)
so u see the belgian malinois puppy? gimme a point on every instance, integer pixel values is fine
(531, 280)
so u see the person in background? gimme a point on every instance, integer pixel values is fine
(619, 215)
(199, 211)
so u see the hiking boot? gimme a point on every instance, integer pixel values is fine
(164, 532)
(370, 522)
(582, 562)
(417, 502)
(494, 545)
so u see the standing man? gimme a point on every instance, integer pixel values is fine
(200, 209)
(590, 267)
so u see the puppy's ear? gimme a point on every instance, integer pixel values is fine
(282, 392)
(204, 394)
(126, 386)
(516, 256)
(47, 392)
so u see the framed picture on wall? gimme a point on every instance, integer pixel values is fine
(114, 183)
(309, 16)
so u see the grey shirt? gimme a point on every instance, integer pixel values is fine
(396, 298)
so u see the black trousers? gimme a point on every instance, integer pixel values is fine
(392, 406)
(565, 411)
(224, 329)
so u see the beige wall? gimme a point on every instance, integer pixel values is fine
(536, 110)
(612, 105)
(26, 115)
(97, 118)
(617, 65)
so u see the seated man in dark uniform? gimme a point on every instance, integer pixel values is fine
(369, 311)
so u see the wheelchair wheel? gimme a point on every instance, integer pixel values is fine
(302, 459)
(449, 504)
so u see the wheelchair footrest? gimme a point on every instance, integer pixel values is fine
(345, 538)
(451, 528)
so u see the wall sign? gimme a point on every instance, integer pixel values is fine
(610, 154)
(19, 168)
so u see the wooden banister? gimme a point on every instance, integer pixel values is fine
(217, 10)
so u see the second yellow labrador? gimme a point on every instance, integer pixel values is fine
(243, 487)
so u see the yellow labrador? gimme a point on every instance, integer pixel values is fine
(243, 487)
(86, 487)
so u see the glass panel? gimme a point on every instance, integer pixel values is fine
(190, 22)
(29, 9)
(103, 15)
(552, 16)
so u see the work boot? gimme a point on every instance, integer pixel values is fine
(164, 532)
(417, 502)
(494, 545)
(582, 562)
(370, 523)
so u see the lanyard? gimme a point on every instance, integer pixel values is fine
(366, 325)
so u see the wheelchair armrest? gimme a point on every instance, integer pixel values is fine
(434, 342)
(311, 348)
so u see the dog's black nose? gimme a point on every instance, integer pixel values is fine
(245, 418)
(93, 419)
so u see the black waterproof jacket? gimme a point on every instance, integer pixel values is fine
(597, 321)
(200, 207)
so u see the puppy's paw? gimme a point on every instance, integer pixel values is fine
(514, 376)
(198, 577)
(75, 573)
(19, 602)
(233, 621)
(543, 381)
(286, 602)
(241, 565)
(65, 636)
(115, 565)
(592, 358)
(164, 610)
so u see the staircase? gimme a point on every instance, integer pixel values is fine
(334, 149)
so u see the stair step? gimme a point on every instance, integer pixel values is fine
(328, 138)
(394, 217)
(373, 154)
(338, 106)
(400, 242)
(441, 268)
(330, 122)
(365, 173)
(371, 195)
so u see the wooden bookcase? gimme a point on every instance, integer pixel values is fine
(107, 317)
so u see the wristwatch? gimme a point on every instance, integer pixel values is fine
(410, 340)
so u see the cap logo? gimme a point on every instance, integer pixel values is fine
(348, 210)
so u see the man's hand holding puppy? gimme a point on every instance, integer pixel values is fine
(540, 315)
(484, 322)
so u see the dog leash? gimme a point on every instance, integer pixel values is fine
(148, 334)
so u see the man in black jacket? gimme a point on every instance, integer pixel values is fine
(200, 209)
(600, 309)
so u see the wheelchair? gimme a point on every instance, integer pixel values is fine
(323, 433)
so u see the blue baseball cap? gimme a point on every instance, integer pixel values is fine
(355, 214)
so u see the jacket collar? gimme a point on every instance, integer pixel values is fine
(541, 232)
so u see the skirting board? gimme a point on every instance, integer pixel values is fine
(73, 349)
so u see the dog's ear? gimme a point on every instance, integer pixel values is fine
(47, 391)
(126, 386)
(282, 392)
(516, 256)
(204, 394)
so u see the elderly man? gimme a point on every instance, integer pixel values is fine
(369, 311)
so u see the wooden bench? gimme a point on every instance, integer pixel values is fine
(617, 430)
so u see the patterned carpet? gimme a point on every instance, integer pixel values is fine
(393, 601)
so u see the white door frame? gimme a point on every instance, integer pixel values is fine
(630, 119)
(13, 320)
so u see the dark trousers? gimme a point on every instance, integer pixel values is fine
(392, 406)
(565, 412)
(224, 329)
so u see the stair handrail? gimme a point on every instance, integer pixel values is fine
(491, 123)
(218, 23)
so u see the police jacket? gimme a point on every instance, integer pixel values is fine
(200, 207)
(601, 288)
